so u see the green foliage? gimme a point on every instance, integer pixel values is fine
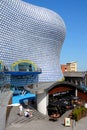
(79, 113)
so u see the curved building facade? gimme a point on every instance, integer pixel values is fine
(32, 33)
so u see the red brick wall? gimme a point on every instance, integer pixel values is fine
(65, 87)
(82, 95)
(64, 68)
(61, 88)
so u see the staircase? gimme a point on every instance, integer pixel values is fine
(15, 119)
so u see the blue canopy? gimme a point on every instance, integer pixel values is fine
(20, 98)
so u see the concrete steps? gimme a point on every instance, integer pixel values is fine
(15, 119)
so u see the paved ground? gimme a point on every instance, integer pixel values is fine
(45, 124)
(4, 98)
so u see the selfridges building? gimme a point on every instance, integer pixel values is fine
(33, 33)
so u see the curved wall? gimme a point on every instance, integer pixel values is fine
(32, 33)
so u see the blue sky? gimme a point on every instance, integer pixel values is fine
(74, 14)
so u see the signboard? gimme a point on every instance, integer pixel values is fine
(67, 122)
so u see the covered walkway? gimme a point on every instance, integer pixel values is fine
(22, 97)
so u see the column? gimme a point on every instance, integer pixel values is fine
(42, 102)
(76, 92)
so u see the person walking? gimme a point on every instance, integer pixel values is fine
(20, 110)
(73, 124)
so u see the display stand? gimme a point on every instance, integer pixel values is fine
(67, 122)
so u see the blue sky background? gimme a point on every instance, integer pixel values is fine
(74, 14)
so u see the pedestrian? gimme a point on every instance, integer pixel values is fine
(26, 113)
(20, 109)
(29, 112)
(73, 124)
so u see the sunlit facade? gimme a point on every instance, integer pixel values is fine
(29, 32)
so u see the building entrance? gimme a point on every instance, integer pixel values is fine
(60, 99)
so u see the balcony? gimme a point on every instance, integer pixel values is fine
(23, 73)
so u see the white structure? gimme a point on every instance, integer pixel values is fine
(42, 101)
(72, 66)
(32, 33)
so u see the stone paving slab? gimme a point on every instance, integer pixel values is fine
(49, 125)
(45, 124)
